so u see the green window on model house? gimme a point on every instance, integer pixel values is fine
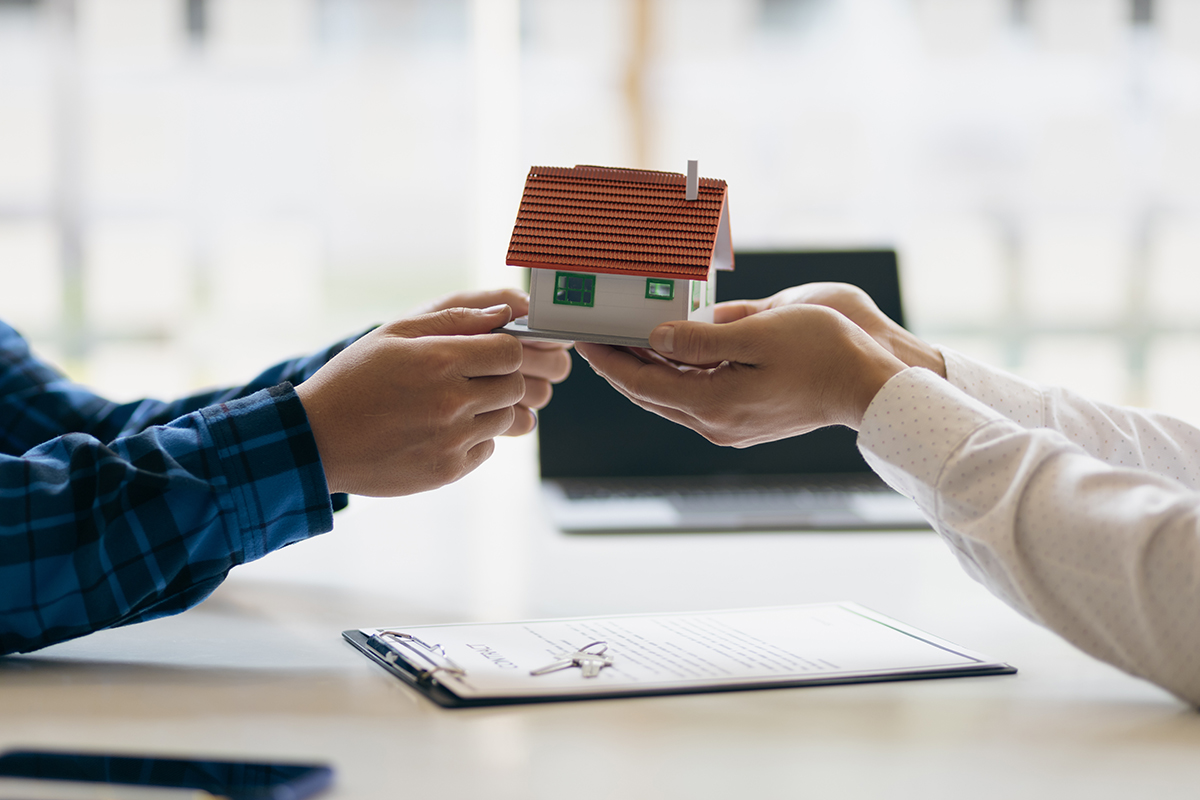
(572, 289)
(659, 289)
(697, 291)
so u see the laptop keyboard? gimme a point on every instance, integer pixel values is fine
(820, 492)
(832, 502)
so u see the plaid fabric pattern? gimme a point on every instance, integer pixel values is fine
(117, 513)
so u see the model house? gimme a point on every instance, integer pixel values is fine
(614, 252)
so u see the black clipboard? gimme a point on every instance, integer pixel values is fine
(427, 669)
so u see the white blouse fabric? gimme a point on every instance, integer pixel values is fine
(1084, 517)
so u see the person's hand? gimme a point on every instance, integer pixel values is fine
(415, 404)
(768, 375)
(854, 304)
(543, 363)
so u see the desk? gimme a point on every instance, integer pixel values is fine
(260, 670)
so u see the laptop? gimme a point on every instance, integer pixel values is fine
(609, 466)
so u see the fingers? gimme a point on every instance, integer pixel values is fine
(549, 362)
(544, 364)
(452, 322)
(495, 393)
(840, 296)
(479, 441)
(638, 380)
(733, 310)
(651, 357)
(524, 421)
(474, 356)
(609, 361)
(516, 298)
(495, 423)
(463, 335)
(476, 456)
(621, 370)
(493, 354)
(537, 393)
(705, 343)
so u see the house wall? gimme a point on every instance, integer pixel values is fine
(621, 307)
(708, 294)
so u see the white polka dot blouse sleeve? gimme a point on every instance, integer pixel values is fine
(1084, 517)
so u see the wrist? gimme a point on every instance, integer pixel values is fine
(872, 378)
(915, 352)
(318, 423)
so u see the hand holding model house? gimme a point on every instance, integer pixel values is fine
(615, 252)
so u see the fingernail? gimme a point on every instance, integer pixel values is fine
(494, 309)
(662, 339)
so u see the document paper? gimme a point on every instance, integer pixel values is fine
(690, 651)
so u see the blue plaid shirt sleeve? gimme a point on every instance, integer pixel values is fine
(112, 514)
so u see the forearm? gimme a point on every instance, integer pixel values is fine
(38, 403)
(1120, 436)
(99, 535)
(139, 416)
(1109, 558)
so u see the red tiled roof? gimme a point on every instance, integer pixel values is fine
(601, 219)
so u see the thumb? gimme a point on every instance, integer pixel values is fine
(733, 310)
(454, 322)
(702, 342)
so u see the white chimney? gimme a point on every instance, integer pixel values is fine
(693, 180)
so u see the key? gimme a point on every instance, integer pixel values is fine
(588, 658)
(591, 666)
(555, 666)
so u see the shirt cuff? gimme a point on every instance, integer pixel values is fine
(913, 426)
(266, 453)
(1019, 400)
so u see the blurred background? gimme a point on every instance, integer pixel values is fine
(190, 189)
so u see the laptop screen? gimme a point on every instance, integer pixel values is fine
(589, 430)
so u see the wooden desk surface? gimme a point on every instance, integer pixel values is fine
(260, 671)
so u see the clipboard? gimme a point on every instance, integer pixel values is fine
(639, 655)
